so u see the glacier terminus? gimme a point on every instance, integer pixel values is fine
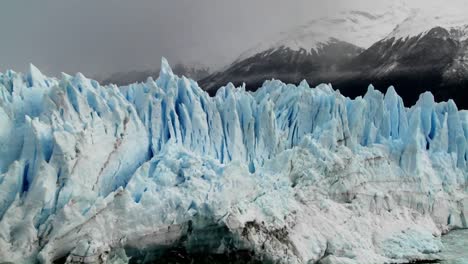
(291, 174)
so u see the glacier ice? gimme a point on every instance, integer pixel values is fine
(292, 173)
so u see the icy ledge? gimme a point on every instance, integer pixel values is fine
(292, 174)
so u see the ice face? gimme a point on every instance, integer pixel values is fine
(293, 173)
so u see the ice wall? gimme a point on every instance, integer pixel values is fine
(111, 165)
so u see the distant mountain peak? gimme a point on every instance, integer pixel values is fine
(416, 48)
(357, 27)
(421, 21)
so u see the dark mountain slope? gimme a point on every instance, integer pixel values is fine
(287, 65)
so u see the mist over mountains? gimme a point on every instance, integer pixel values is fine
(414, 50)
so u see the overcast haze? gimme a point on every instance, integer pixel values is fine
(107, 36)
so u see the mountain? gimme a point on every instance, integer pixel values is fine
(196, 72)
(314, 49)
(289, 174)
(424, 52)
(286, 64)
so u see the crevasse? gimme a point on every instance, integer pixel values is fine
(295, 174)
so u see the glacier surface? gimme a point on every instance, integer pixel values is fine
(292, 173)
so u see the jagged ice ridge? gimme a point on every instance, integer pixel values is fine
(294, 174)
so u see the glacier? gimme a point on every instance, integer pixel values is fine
(293, 174)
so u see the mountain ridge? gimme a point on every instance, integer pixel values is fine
(425, 59)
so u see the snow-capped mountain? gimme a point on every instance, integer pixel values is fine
(290, 174)
(420, 21)
(316, 48)
(415, 50)
(361, 28)
(285, 64)
(424, 53)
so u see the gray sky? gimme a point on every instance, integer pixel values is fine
(98, 37)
